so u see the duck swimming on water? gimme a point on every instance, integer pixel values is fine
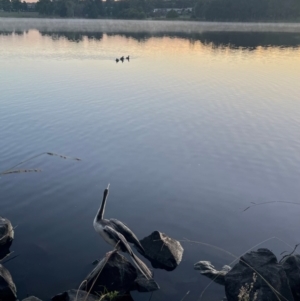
(117, 234)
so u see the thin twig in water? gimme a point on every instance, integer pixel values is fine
(36, 156)
(185, 296)
(6, 256)
(255, 204)
(209, 245)
(151, 296)
(21, 171)
(10, 259)
(296, 246)
(83, 282)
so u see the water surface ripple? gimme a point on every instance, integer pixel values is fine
(188, 133)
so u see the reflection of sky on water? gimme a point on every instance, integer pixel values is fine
(188, 133)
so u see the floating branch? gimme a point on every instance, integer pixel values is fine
(1, 261)
(185, 296)
(255, 204)
(20, 171)
(296, 246)
(12, 170)
(63, 157)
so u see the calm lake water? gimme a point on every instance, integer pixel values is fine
(188, 133)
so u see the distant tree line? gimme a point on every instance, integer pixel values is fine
(247, 10)
(122, 9)
(207, 10)
(13, 5)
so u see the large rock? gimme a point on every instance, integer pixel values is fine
(117, 274)
(31, 298)
(162, 251)
(8, 291)
(6, 236)
(291, 265)
(245, 282)
(208, 270)
(143, 285)
(75, 295)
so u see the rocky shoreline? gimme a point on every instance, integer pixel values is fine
(114, 273)
(258, 275)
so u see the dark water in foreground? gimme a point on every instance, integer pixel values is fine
(188, 133)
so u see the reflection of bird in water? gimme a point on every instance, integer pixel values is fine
(117, 60)
(122, 59)
(127, 58)
(118, 235)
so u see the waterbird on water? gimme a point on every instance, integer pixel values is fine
(122, 59)
(127, 58)
(117, 60)
(117, 234)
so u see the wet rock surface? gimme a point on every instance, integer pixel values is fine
(75, 295)
(31, 298)
(208, 270)
(242, 278)
(291, 265)
(6, 236)
(117, 274)
(162, 251)
(143, 285)
(8, 290)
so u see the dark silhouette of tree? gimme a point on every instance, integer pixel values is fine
(210, 10)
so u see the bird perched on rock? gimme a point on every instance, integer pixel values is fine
(117, 234)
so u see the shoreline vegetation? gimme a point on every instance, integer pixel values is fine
(195, 10)
(138, 26)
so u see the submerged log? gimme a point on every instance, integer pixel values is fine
(162, 251)
(258, 276)
(208, 270)
(8, 291)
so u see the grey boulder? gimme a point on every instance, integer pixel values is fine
(252, 276)
(208, 270)
(8, 291)
(143, 285)
(117, 274)
(6, 236)
(114, 274)
(162, 251)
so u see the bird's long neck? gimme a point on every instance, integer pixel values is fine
(101, 210)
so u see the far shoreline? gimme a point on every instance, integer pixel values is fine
(136, 26)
